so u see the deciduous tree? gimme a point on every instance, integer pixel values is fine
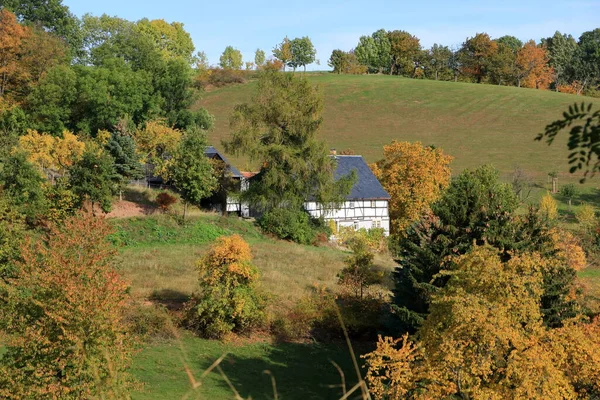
(93, 178)
(414, 176)
(532, 66)
(231, 58)
(476, 54)
(404, 49)
(283, 51)
(259, 58)
(303, 52)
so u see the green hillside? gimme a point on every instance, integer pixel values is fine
(474, 123)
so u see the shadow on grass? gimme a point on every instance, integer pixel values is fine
(173, 300)
(301, 371)
(592, 197)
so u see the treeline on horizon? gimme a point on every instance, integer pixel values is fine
(558, 62)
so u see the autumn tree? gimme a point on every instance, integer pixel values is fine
(12, 35)
(231, 58)
(51, 153)
(283, 51)
(278, 129)
(170, 39)
(191, 171)
(485, 338)
(155, 141)
(227, 299)
(404, 49)
(548, 207)
(532, 66)
(414, 176)
(64, 310)
(503, 64)
(475, 56)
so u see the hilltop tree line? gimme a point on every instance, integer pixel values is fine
(558, 62)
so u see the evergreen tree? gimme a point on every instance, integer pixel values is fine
(476, 209)
(127, 162)
(278, 129)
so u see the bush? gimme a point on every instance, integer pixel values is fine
(220, 77)
(294, 225)
(374, 238)
(150, 322)
(227, 300)
(165, 201)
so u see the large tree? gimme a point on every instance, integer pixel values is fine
(374, 51)
(532, 66)
(561, 50)
(231, 58)
(414, 176)
(283, 51)
(587, 59)
(476, 54)
(303, 52)
(439, 61)
(404, 50)
(278, 130)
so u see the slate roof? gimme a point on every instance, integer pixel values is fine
(367, 186)
(212, 153)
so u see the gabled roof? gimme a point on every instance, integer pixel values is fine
(367, 186)
(213, 152)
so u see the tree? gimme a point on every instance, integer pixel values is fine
(155, 142)
(484, 338)
(439, 60)
(283, 51)
(170, 39)
(278, 129)
(365, 50)
(259, 58)
(21, 184)
(503, 67)
(231, 58)
(511, 42)
(475, 209)
(191, 171)
(415, 177)
(127, 161)
(548, 207)
(303, 52)
(227, 300)
(359, 274)
(404, 49)
(93, 178)
(12, 234)
(12, 35)
(569, 191)
(64, 308)
(338, 61)
(476, 54)
(374, 51)
(532, 65)
(561, 51)
(587, 59)
(52, 153)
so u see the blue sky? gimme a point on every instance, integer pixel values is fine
(248, 25)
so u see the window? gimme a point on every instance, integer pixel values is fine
(373, 204)
(351, 204)
(355, 225)
(376, 223)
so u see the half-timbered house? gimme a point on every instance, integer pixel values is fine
(367, 204)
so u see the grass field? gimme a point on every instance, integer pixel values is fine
(476, 124)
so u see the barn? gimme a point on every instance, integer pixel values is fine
(367, 204)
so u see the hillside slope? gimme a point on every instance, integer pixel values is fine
(474, 123)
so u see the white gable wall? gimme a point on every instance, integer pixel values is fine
(358, 213)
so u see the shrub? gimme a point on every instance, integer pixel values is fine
(227, 300)
(294, 225)
(374, 238)
(358, 274)
(586, 216)
(64, 309)
(165, 201)
(548, 207)
(149, 322)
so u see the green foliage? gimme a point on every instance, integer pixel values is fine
(12, 233)
(359, 274)
(303, 52)
(278, 129)
(231, 58)
(190, 170)
(584, 137)
(149, 322)
(586, 63)
(561, 49)
(93, 178)
(374, 238)
(21, 185)
(374, 51)
(61, 200)
(259, 57)
(476, 209)
(227, 299)
(122, 149)
(294, 225)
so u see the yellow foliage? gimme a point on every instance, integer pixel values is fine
(228, 259)
(549, 207)
(156, 138)
(586, 216)
(484, 338)
(50, 152)
(414, 176)
(568, 248)
(102, 137)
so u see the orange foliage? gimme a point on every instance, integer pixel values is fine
(64, 310)
(12, 35)
(414, 176)
(568, 247)
(532, 62)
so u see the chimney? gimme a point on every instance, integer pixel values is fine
(332, 152)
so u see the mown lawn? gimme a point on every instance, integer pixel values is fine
(301, 371)
(476, 124)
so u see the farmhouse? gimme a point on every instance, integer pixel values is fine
(240, 183)
(367, 204)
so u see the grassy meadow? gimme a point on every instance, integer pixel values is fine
(475, 124)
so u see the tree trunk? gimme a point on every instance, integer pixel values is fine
(304, 68)
(120, 195)
(569, 204)
(184, 210)
(436, 75)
